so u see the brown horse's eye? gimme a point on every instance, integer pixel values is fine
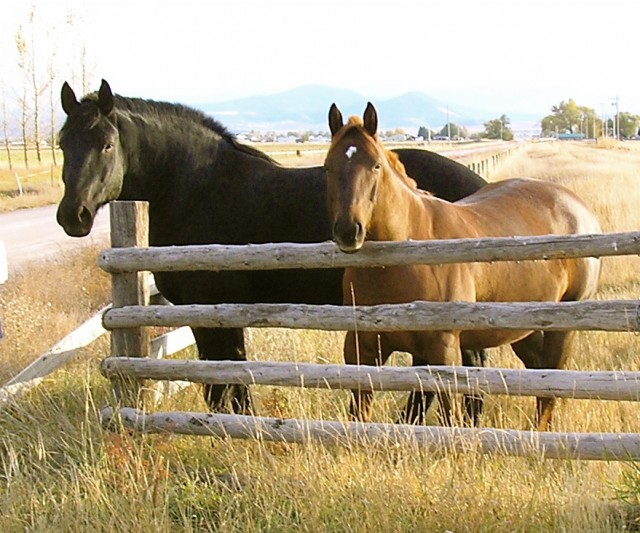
(377, 167)
(107, 147)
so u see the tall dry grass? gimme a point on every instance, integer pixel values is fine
(59, 471)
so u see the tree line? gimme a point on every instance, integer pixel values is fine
(570, 118)
(44, 46)
(497, 128)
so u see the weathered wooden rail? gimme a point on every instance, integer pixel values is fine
(131, 317)
(583, 446)
(578, 385)
(327, 255)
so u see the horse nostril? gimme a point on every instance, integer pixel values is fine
(335, 229)
(84, 215)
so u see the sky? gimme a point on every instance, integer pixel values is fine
(506, 56)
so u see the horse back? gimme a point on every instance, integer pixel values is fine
(523, 207)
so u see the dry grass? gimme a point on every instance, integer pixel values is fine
(40, 182)
(60, 472)
(43, 302)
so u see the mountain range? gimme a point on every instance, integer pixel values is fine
(305, 108)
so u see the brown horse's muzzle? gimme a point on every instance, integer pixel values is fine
(349, 235)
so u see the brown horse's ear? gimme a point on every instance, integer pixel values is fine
(68, 98)
(335, 119)
(370, 119)
(105, 98)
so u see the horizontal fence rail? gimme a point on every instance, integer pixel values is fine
(621, 315)
(327, 255)
(578, 385)
(585, 446)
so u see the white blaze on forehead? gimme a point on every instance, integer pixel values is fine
(350, 151)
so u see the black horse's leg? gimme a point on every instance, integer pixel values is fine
(222, 344)
(418, 403)
(473, 403)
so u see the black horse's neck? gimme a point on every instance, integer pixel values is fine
(163, 142)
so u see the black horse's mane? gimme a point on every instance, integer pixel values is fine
(164, 110)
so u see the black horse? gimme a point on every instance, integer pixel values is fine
(204, 187)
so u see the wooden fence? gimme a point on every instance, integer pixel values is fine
(131, 314)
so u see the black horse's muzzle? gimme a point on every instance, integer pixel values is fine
(76, 220)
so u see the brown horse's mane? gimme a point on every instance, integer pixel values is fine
(356, 123)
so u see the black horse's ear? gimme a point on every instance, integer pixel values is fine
(370, 119)
(68, 98)
(335, 119)
(105, 98)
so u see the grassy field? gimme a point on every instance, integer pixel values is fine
(59, 471)
(40, 182)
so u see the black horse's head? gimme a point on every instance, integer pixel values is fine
(94, 165)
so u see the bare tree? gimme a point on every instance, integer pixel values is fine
(52, 113)
(41, 44)
(27, 44)
(21, 47)
(5, 128)
(36, 91)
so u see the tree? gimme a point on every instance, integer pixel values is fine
(453, 131)
(21, 48)
(569, 117)
(498, 128)
(424, 132)
(27, 45)
(5, 128)
(628, 124)
(38, 83)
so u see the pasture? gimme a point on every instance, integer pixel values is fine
(61, 472)
(39, 182)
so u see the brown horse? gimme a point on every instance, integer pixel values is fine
(370, 197)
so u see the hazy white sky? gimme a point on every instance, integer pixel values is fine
(504, 55)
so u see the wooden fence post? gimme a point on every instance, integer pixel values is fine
(129, 228)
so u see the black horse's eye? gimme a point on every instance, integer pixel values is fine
(107, 147)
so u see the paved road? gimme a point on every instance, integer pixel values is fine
(34, 235)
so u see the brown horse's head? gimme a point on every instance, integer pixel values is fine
(354, 165)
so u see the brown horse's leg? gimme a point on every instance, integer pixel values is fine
(362, 349)
(557, 347)
(445, 350)
(545, 350)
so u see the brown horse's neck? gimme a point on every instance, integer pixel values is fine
(402, 212)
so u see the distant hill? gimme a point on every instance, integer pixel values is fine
(306, 108)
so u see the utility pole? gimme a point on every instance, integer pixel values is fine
(616, 119)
